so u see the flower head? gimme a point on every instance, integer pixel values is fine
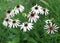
(26, 26)
(6, 21)
(10, 14)
(19, 8)
(45, 11)
(33, 17)
(37, 9)
(51, 28)
(14, 23)
(48, 21)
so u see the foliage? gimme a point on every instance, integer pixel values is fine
(38, 34)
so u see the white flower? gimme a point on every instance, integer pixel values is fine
(33, 17)
(19, 8)
(6, 21)
(45, 11)
(48, 21)
(14, 23)
(37, 9)
(26, 26)
(51, 28)
(10, 14)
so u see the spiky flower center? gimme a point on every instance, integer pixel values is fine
(44, 10)
(36, 7)
(17, 6)
(26, 25)
(51, 27)
(7, 20)
(14, 21)
(32, 14)
(8, 11)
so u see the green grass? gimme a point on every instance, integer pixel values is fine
(37, 35)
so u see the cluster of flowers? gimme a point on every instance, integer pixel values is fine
(33, 17)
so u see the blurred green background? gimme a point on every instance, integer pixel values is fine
(38, 34)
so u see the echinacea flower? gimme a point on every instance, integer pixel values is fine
(45, 11)
(14, 23)
(10, 14)
(33, 17)
(18, 8)
(6, 21)
(26, 26)
(37, 9)
(51, 28)
(48, 21)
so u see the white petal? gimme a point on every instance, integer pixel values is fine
(56, 27)
(10, 25)
(35, 20)
(48, 31)
(13, 26)
(12, 13)
(24, 29)
(41, 11)
(21, 27)
(52, 32)
(28, 28)
(31, 20)
(55, 30)
(8, 16)
(16, 11)
(5, 23)
(30, 24)
(47, 21)
(21, 9)
(45, 28)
